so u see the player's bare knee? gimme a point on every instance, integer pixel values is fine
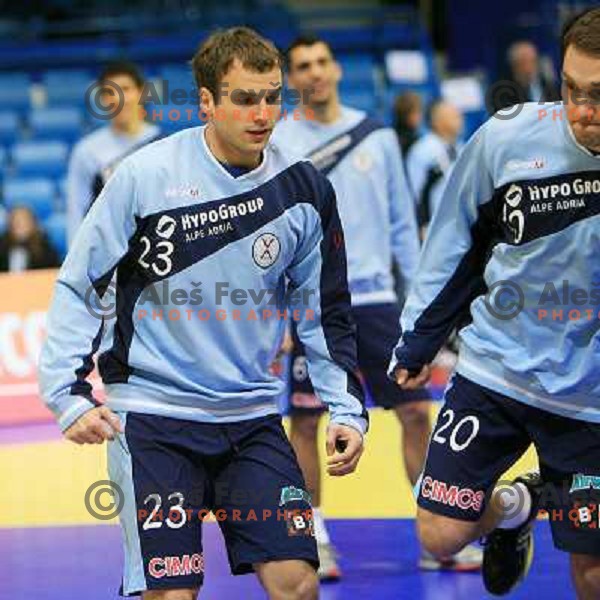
(303, 586)
(414, 414)
(586, 571)
(289, 580)
(443, 536)
(306, 426)
(179, 594)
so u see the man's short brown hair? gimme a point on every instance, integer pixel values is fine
(583, 32)
(216, 54)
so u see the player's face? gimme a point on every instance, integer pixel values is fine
(243, 118)
(581, 93)
(131, 96)
(314, 73)
(22, 224)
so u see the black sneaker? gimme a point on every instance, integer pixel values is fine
(508, 553)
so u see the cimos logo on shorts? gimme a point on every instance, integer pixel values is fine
(462, 498)
(176, 566)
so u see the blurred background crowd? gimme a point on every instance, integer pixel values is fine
(425, 67)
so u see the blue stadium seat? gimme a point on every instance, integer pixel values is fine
(67, 87)
(3, 160)
(44, 159)
(173, 118)
(35, 193)
(56, 123)
(15, 92)
(363, 100)
(56, 230)
(357, 67)
(9, 127)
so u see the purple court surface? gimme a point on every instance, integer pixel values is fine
(378, 558)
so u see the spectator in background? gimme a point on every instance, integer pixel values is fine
(408, 119)
(24, 245)
(532, 84)
(431, 158)
(97, 155)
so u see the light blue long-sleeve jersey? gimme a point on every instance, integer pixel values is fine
(428, 165)
(203, 254)
(520, 215)
(362, 159)
(92, 161)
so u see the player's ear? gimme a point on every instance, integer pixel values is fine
(206, 101)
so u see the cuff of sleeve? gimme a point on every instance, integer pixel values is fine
(392, 367)
(69, 408)
(401, 359)
(358, 423)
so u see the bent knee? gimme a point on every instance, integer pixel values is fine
(306, 588)
(414, 413)
(297, 583)
(305, 425)
(443, 536)
(586, 569)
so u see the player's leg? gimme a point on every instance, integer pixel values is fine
(415, 420)
(475, 439)
(305, 412)
(304, 430)
(569, 452)
(269, 527)
(585, 571)
(288, 580)
(162, 492)
(378, 328)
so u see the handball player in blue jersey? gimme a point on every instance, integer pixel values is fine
(210, 235)
(96, 156)
(514, 245)
(362, 159)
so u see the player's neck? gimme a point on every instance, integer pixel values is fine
(326, 113)
(131, 128)
(227, 154)
(448, 138)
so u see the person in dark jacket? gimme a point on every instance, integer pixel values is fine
(24, 245)
(530, 82)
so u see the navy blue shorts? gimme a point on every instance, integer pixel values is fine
(378, 331)
(480, 433)
(172, 472)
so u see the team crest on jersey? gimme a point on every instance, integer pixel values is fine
(514, 195)
(166, 227)
(363, 161)
(265, 250)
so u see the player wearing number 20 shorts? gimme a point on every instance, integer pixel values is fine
(515, 244)
(188, 226)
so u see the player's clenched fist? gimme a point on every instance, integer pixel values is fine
(94, 426)
(412, 381)
(344, 448)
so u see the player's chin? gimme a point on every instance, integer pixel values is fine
(588, 136)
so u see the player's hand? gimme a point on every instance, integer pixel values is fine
(344, 448)
(408, 381)
(94, 426)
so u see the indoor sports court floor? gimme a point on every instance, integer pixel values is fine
(52, 549)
